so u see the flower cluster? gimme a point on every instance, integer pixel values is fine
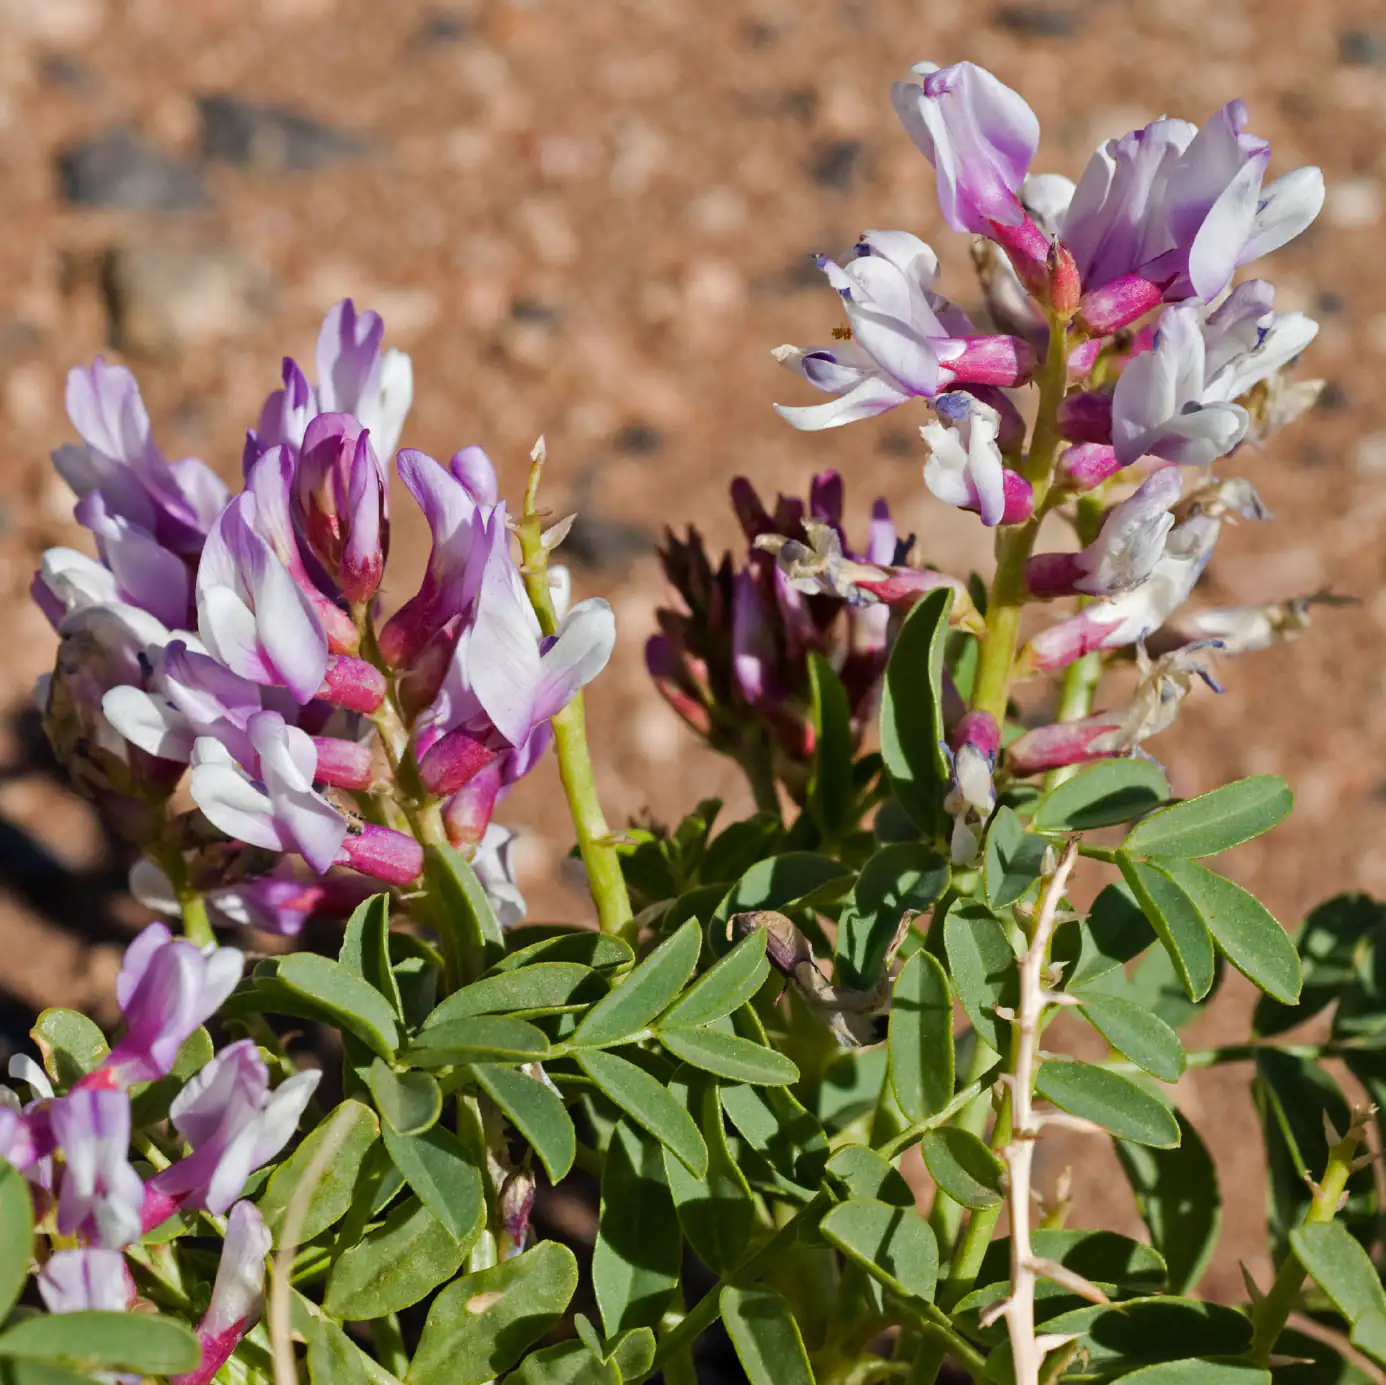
(1117, 299)
(234, 639)
(75, 1150)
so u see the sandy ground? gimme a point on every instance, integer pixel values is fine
(594, 220)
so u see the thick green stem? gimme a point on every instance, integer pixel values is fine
(1246, 1053)
(1015, 543)
(604, 878)
(197, 926)
(1268, 1318)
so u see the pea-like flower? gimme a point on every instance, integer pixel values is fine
(99, 1193)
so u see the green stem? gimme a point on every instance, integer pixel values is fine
(388, 1341)
(1015, 543)
(1246, 1052)
(708, 1308)
(1076, 693)
(755, 762)
(197, 926)
(604, 877)
(914, 1133)
(1268, 1318)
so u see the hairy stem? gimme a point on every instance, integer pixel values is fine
(1015, 543)
(1019, 1153)
(1269, 1317)
(604, 877)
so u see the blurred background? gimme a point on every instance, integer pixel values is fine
(594, 220)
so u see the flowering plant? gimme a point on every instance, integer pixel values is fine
(807, 1046)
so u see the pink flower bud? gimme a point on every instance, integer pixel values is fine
(453, 760)
(352, 684)
(343, 764)
(385, 854)
(1087, 466)
(1086, 417)
(986, 360)
(1117, 304)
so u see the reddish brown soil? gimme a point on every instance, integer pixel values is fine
(645, 181)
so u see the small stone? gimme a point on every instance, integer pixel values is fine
(532, 310)
(169, 294)
(441, 28)
(1333, 398)
(269, 138)
(639, 440)
(1362, 48)
(117, 168)
(63, 70)
(596, 542)
(837, 164)
(896, 443)
(1036, 21)
(1369, 455)
(1353, 203)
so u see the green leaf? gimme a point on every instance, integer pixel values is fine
(633, 1353)
(409, 1101)
(635, 1263)
(443, 1177)
(645, 991)
(1108, 1099)
(920, 1040)
(568, 1363)
(333, 1358)
(781, 882)
(1176, 921)
(20, 1372)
(1369, 1335)
(555, 943)
(1340, 1267)
(1213, 822)
(851, 1085)
(716, 1211)
(91, 1340)
(394, 1266)
(1103, 794)
(1199, 1371)
(830, 792)
(983, 967)
(896, 879)
(536, 1111)
(648, 1102)
(1244, 930)
(892, 1244)
(480, 1039)
(780, 1129)
(1177, 1196)
(729, 1056)
(1101, 1256)
(70, 1045)
(912, 714)
(1138, 1332)
(466, 917)
(480, 1326)
(736, 848)
(343, 997)
(334, 1190)
(962, 1166)
(1115, 931)
(365, 949)
(16, 1236)
(1013, 860)
(1328, 944)
(766, 1336)
(866, 1174)
(1135, 1033)
(726, 986)
(540, 986)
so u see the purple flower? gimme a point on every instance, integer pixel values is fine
(354, 377)
(119, 460)
(100, 1194)
(77, 1281)
(980, 137)
(905, 340)
(234, 1123)
(269, 802)
(965, 466)
(252, 616)
(1125, 552)
(1180, 209)
(341, 501)
(506, 679)
(459, 503)
(1177, 401)
(494, 866)
(166, 989)
(145, 573)
(238, 1295)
